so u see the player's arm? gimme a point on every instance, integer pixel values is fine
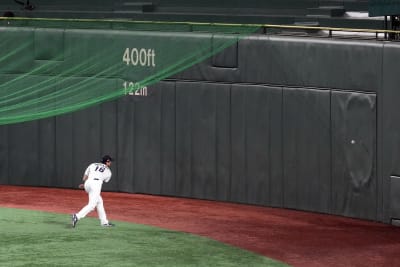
(108, 175)
(86, 173)
(84, 178)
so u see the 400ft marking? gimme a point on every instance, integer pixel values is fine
(139, 57)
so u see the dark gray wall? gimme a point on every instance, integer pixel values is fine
(299, 123)
(389, 139)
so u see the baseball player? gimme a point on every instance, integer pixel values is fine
(93, 178)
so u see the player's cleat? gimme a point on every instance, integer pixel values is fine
(109, 224)
(74, 220)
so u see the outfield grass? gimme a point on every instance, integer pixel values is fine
(32, 238)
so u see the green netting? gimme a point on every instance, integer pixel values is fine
(50, 67)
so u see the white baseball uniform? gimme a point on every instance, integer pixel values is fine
(97, 173)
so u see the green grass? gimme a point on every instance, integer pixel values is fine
(32, 238)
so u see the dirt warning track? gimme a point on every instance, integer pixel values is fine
(297, 238)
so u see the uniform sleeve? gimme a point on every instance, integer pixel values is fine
(108, 178)
(87, 171)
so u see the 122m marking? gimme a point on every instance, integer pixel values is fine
(132, 88)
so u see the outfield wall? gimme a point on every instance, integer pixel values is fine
(291, 122)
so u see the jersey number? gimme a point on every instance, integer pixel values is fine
(100, 169)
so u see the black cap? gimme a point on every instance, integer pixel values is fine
(106, 158)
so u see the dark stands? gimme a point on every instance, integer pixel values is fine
(325, 13)
(388, 9)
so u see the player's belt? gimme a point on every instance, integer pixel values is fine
(96, 179)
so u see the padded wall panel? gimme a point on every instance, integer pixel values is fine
(306, 149)
(168, 153)
(49, 44)
(18, 46)
(4, 133)
(196, 128)
(389, 117)
(354, 184)
(147, 141)
(47, 152)
(256, 172)
(108, 140)
(263, 144)
(184, 139)
(4, 151)
(203, 144)
(238, 145)
(67, 174)
(202, 140)
(394, 197)
(228, 58)
(223, 141)
(126, 134)
(48, 51)
(24, 155)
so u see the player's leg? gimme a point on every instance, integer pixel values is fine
(101, 211)
(94, 194)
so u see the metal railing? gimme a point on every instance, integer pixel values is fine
(379, 34)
